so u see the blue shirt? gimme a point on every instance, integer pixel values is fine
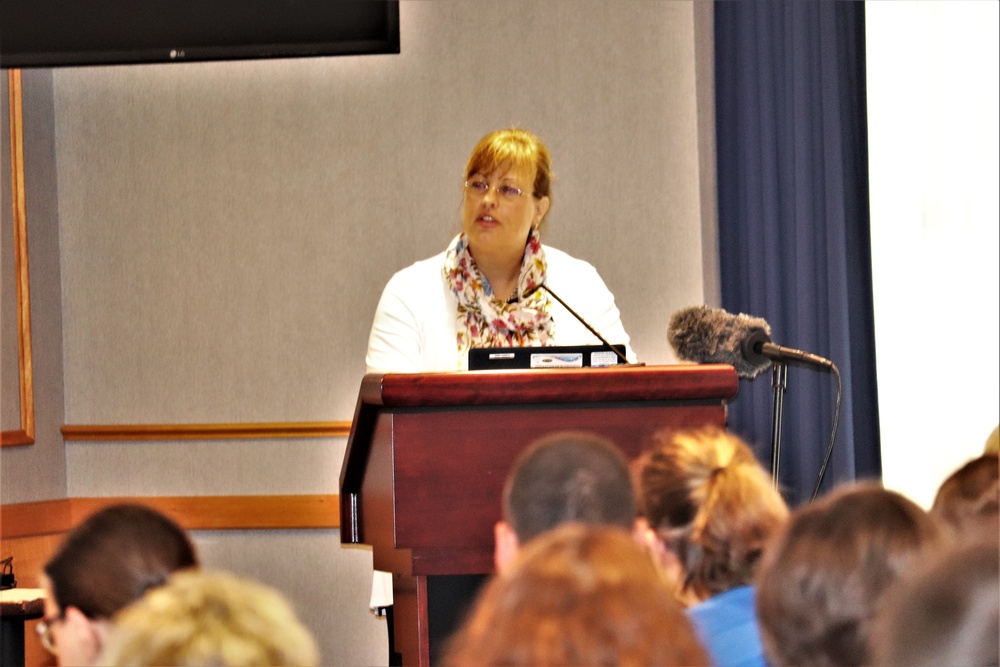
(727, 626)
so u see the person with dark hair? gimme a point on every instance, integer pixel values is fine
(566, 476)
(945, 612)
(968, 501)
(105, 563)
(709, 508)
(577, 595)
(823, 579)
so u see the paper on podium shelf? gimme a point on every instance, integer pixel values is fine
(381, 590)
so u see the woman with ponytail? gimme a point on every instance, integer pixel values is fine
(710, 509)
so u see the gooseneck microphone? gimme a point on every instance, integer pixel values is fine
(711, 335)
(580, 319)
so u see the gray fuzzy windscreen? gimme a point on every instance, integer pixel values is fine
(713, 336)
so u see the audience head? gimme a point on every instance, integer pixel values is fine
(968, 501)
(202, 618)
(566, 476)
(711, 504)
(105, 563)
(822, 580)
(993, 442)
(945, 612)
(577, 595)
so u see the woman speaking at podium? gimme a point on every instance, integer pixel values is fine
(483, 291)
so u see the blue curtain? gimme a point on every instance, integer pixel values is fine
(794, 236)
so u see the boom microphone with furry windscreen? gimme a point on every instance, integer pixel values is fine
(713, 336)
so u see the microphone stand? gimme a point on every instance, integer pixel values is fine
(779, 381)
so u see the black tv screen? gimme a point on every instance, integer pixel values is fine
(60, 33)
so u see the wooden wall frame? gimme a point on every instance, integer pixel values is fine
(25, 435)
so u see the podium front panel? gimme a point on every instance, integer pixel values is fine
(449, 469)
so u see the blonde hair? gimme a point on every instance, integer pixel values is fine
(513, 148)
(711, 503)
(202, 619)
(577, 595)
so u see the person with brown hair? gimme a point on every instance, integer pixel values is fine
(565, 476)
(710, 508)
(562, 477)
(968, 501)
(945, 612)
(201, 618)
(822, 581)
(577, 595)
(105, 563)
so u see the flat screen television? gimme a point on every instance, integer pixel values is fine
(71, 33)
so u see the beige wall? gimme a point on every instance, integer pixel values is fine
(225, 230)
(238, 220)
(37, 471)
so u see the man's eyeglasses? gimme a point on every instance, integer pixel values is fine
(477, 187)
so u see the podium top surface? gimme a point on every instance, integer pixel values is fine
(702, 383)
(576, 385)
(24, 603)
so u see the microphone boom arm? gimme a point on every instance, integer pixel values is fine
(586, 324)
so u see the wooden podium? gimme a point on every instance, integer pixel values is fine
(428, 455)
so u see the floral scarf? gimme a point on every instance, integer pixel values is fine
(485, 320)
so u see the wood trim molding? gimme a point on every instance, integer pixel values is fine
(143, 432)
(16, 437)
(190, 512)
(37, 518)
(26, 434)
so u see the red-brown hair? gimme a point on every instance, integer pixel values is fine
(577, 595)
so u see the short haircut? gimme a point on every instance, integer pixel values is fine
(944, 613)
(577, 595)
(822, 580)
(969, 499)
(568, 476)
(202, 618)
(711, 503)
(114, 557)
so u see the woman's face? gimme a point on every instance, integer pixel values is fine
(496, 222)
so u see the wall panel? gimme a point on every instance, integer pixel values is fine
(212, 240)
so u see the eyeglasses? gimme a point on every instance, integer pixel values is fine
(477, 187)
(44, 632)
